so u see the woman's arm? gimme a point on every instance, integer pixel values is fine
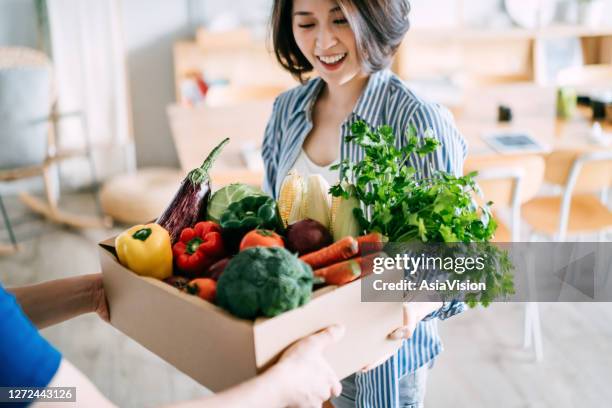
(52, 302)
(270, 149)
(449, 158)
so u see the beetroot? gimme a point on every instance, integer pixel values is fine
(215, 271)
(306, 236)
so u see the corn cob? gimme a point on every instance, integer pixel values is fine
(316, 203)
(335, 204)
(290, 196)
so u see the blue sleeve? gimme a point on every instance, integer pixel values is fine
(26, 358)
(447, 310)
(269, 150)
(449, 158)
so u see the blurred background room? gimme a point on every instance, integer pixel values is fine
(105, 105)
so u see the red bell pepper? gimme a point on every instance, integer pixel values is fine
(198, 248)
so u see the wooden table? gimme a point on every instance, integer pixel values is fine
(196, 131)
(534, 112)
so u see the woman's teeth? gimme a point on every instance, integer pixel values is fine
(332, 59)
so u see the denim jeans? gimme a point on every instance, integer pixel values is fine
(411, 390)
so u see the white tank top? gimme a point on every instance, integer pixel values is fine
(305, 167)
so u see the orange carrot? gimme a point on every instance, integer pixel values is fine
(372, 242)
(338, 251)
(340, 273)
(367, 262)
(347, 271)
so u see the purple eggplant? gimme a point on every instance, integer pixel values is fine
(190, 201)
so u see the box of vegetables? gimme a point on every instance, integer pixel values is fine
(220, 284)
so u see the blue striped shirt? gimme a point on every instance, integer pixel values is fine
(385, 101)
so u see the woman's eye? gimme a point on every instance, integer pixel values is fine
(340, 21)
(306, 25)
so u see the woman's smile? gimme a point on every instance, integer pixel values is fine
(332, 62)
(325, 38)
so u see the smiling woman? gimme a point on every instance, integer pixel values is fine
(345, 48)
(370, 32)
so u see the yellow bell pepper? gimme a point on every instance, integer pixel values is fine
(146, 250)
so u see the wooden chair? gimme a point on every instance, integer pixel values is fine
(28, 130)
(510, 181)
(578, 210)
(503, 180)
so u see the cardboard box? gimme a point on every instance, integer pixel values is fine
(219, 350)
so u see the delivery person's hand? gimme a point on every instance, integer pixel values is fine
(98, 298)
(304, 373)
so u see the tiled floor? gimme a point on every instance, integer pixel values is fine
(483, 365)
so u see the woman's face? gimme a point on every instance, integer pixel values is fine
(325, 38)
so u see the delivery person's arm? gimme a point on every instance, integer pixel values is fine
(54, 301)
(301, 378)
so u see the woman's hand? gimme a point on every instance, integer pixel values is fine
(412, 314)
(303, 372)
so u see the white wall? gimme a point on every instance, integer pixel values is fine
(18, 28)
(18, 23)
(150, 29)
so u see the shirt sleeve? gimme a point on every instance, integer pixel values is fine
(448, 158)
(447, 310)
(270, 149)
(27, 359)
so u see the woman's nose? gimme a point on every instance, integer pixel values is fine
(325, 39)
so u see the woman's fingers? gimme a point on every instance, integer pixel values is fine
(404, 332)
(320, 340)
(334, 381)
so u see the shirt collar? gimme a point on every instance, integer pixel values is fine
(313, 88)
(366, 108)
(369, 104)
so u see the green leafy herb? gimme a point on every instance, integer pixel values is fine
(405, 208)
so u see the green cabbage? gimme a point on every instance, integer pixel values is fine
(227, 195)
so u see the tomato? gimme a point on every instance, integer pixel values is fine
(205, 288)
(261, 237)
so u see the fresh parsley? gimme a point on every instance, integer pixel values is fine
(407, 208)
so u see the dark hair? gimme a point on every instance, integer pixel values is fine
(379, 27)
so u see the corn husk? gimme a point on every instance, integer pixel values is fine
(316, 204)
(343, 221)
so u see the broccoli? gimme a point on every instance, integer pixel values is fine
(264, 281)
